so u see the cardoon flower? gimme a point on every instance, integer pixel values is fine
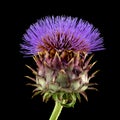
(61, 47)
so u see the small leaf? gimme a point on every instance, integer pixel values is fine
(41, 81)
(83, 88)
(75, 85)
(71, 101)
(87, 62)
(36, 93)
(36, 59)
(66, 90)
(34, 72)
(56, 61)
(54, 87)
(48, 73)
(35, 85)
(90, 84)
(93, 74)
(84, 95)
(37, 89)
(77, 58)
(62, 78)
(78, 96)
(46, 96)
(58, 96)
(92, 88)
(91, 65)
(33, 79)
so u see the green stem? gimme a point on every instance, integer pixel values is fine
(56, 111)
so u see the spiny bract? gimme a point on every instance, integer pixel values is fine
(62, 76)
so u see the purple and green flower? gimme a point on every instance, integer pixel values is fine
(62, 48)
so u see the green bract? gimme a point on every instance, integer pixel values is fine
(62, 76)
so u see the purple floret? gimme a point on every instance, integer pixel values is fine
(61, 33)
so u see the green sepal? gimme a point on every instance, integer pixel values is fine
(62, 78)
(41, 81)
(71, 100)
(78, 96)
(75, 85)
(53, 87)
(36, 93)
(46, 96)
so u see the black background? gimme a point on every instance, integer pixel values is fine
(100, 104)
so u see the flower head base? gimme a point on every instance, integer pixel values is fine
(60, 47)
(63, 77)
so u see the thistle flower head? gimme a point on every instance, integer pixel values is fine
(61, 33)
(60, 48)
